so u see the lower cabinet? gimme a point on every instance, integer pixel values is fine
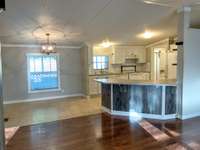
(139, 76)
(122, 76)
(95, 87)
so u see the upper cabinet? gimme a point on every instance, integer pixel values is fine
(121, 53)
(118, 55)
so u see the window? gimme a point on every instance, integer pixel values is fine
(43, 72)
(100, 62)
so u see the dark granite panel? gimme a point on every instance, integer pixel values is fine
(106, 95)
(170, 100)
(138, 98)
(146, 99)
(121, 97)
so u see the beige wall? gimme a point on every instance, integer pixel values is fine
(15, 85)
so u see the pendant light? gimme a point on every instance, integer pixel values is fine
(48, 47)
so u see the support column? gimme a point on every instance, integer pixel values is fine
(183, 26)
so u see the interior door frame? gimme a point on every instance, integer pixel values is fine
(156, 56)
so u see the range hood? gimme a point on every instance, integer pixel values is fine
(2, 5)
(131, 60)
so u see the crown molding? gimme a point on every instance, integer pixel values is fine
(36, 46)
(157, 43)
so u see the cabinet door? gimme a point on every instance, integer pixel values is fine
(98, 85)
(124, 77)
(93, 86)
(136, 52)
(118, 56)
(147, 76)
(134, 76)
(141, 54)
(138, 76)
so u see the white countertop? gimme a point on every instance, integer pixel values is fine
(137, 82)
(113, 73)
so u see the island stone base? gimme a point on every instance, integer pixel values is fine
(148, 101)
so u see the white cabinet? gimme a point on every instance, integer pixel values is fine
(139, 76)
(94, 86)
(136, 52)
(120, 53)
(122, 76)
(118, 56)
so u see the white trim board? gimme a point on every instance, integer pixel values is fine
(43, 98)
(142, 115)
(157, 43)
(149, 116)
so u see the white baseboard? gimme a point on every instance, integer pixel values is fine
(142, 115)
(44, 98)
(189, 116)
(106, 109)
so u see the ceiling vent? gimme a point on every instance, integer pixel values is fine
(2, 5)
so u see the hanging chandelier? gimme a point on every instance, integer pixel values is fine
(48, 47)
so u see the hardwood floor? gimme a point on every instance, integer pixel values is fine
(105, 132)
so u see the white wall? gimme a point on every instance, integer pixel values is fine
(191, 74)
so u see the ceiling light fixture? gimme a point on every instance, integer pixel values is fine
(106, 44)
(48, 47)
(147, 34)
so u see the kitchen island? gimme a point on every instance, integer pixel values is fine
(148, 99)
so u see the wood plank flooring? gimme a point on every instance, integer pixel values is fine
(105, 132)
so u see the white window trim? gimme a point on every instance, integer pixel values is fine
(28, 74)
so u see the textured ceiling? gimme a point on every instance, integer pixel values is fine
(72, 22)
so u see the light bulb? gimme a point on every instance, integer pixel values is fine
(106, 44)
(50, 47)
(44, 47)
(147, 35)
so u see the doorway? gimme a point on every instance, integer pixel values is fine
(159, 64)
